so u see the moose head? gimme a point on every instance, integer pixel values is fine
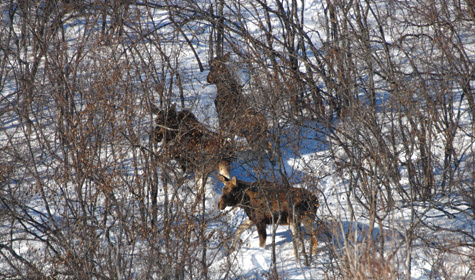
(233, 192)
(219, 72)
(166, 123)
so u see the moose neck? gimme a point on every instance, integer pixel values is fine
(229, 86)
(241, 194)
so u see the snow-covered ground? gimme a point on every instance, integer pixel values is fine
(349, 241)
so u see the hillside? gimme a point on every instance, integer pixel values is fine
(367, 104)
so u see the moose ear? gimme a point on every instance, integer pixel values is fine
(234, 181)
(226, 57)
(154, 109)
(222, 178)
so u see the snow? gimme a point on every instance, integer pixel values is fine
(347, 225)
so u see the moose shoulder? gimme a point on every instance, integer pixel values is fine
(269, 203)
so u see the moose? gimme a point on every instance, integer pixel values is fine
(191, 144)
(269, 203)
(235, 115)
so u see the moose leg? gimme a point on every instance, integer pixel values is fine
(261, 230)
(312, 233)
(244, 226)
(297, 238)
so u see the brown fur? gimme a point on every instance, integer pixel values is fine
(235, 115)
(190, 143)
(264, 202)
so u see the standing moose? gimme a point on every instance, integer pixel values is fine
(191, 144)
(235, 115)
(268, 203)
